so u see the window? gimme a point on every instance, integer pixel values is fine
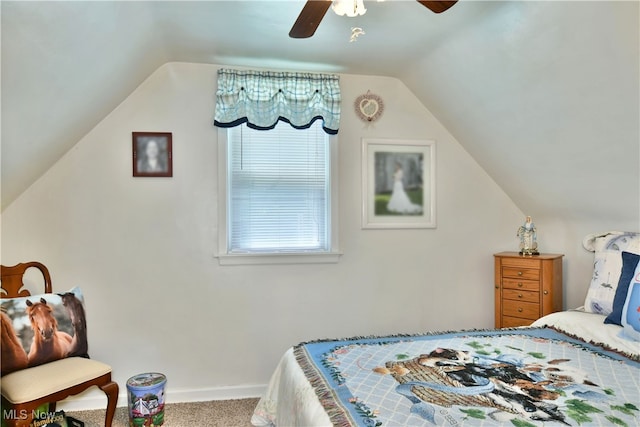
(277, 195)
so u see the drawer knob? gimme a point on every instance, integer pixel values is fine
(520, 310)
(520, 284)
(519, 295)
(497, 287)
(546, 292)
(519, 273)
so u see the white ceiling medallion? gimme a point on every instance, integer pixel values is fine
(369, 107)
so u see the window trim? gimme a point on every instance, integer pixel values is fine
(301, 257)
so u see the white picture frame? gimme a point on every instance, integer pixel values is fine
(398, 183)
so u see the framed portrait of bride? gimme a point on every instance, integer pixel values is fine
(398, 183)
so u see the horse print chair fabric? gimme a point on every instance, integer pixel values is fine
(42, 328)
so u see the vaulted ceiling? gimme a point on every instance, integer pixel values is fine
(544, 95)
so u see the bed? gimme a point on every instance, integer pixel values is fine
(567, 368)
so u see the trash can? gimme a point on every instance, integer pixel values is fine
(146, 399)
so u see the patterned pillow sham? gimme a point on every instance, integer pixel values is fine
(631, 310)
(629, 263)
(42, 328)
(607, 267)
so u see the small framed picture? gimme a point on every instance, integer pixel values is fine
(398, 183)
(152, 154)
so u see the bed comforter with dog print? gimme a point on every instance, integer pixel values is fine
(519, 377)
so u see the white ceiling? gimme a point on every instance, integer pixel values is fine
(545, 95)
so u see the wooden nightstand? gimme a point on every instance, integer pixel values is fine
(527, 287)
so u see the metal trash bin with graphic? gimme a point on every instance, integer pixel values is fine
(146, 399)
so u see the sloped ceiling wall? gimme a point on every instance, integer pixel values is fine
(65, 66)
(544, 95)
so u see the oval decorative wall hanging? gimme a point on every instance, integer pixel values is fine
(369, 107)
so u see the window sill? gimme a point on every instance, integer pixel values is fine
(279, 258)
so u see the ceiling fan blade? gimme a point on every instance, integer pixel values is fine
(438, 6)
(309, 19)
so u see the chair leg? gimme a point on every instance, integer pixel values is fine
(111, 390)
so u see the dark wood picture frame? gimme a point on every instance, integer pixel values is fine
(152, 154)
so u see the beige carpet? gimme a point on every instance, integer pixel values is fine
(222, 413)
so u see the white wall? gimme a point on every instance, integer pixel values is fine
(142, 249)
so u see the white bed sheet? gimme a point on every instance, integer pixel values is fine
(591, 328)
(291, 401)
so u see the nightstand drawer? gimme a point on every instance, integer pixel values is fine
(521, 262)
(525, 310)
(517, 295)
(521, 273)
(522, 285)
(514, 322)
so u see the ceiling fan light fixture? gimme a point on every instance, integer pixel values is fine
(351, 8)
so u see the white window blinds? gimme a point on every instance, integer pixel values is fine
(278, 190)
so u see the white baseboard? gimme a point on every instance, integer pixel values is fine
(95, 399)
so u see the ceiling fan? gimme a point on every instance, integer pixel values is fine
(314, 10)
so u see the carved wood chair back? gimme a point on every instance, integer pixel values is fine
(12, 279)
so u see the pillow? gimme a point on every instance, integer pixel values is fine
(629, 264)
(607, 267)
(42, 328)
(631, 310)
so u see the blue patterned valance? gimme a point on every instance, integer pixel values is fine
(261, 98)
